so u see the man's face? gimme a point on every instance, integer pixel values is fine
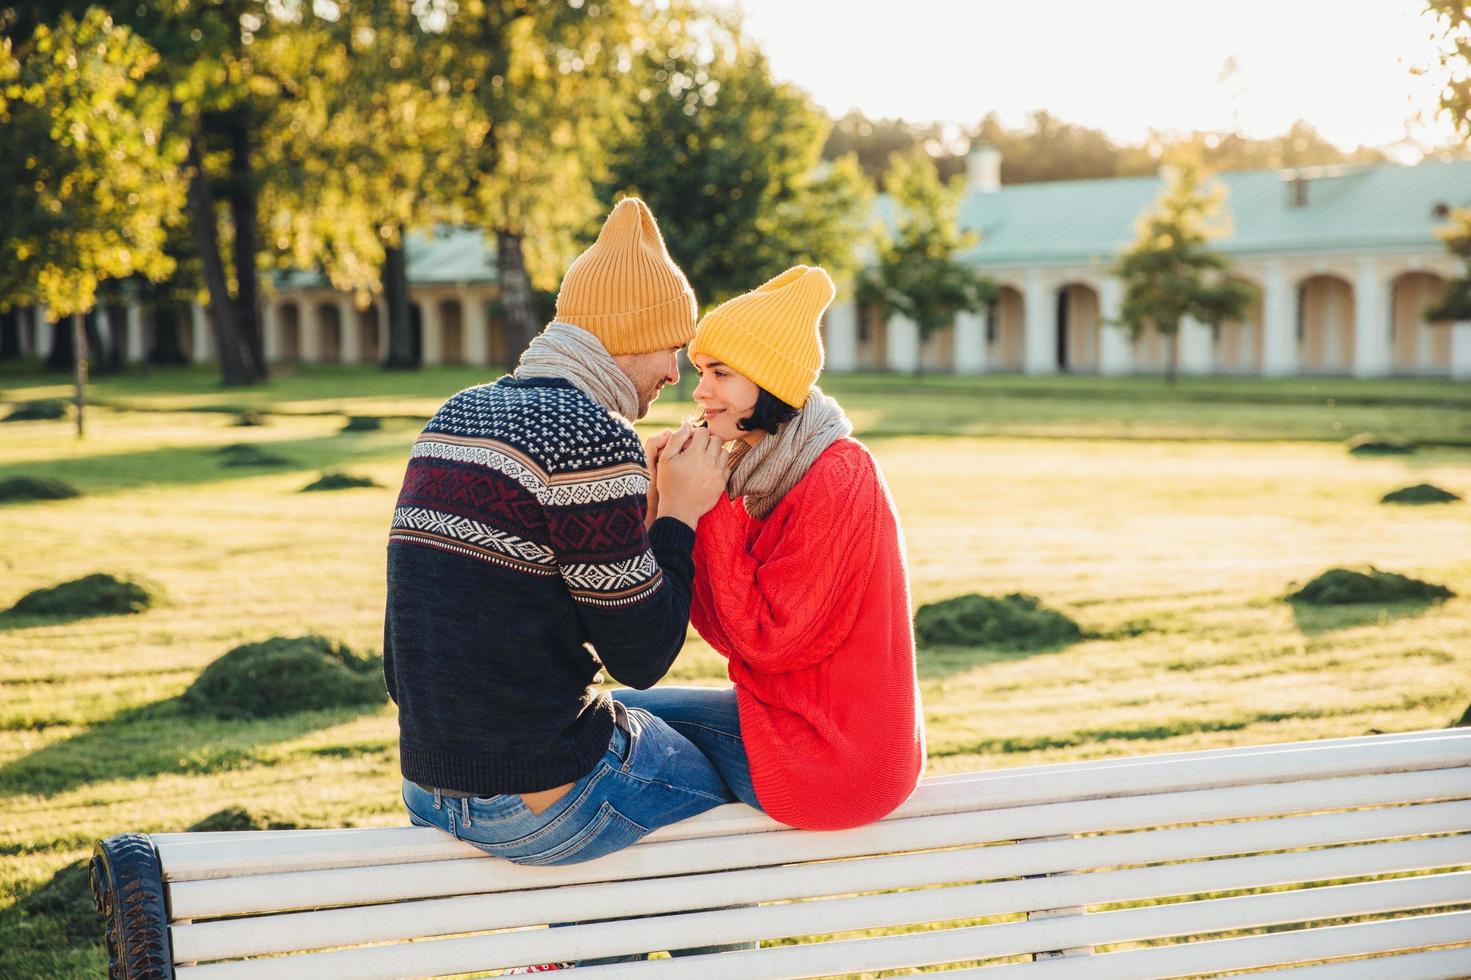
(649, 374)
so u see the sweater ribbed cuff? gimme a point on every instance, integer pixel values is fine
(671, 532)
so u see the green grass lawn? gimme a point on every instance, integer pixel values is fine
(1168, 523)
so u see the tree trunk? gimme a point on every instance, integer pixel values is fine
(403, 353)
(97, 346)
(233, 369)
(243, 210)
(521, 324)
(167, 347)
(117, 340)
(63, 350)
(1172, 358)
(79, 368)
(10, 334)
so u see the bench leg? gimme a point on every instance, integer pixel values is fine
(127, 889)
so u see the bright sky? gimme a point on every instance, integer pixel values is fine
(1122, 66)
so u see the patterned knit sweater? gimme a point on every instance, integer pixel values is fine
(518, 567)
(811, 607)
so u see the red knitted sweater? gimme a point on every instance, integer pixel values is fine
(811, 607)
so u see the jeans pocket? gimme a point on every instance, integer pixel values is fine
(608, 831)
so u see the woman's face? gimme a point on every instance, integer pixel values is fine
(725, 396)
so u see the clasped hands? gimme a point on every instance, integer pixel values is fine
(688, 470)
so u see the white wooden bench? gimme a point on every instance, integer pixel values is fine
(1161, 841)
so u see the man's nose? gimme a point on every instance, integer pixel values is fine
(672, 375)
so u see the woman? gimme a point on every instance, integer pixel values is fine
(800, 580)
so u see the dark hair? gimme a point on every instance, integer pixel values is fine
(769, 414)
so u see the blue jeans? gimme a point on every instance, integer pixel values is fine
(708, 717)
(650, 776)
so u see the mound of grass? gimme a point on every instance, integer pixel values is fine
(1420, 493)
(245, 454)
(48, 410)
(1011, 622)
(245, 419)
(97, 594)
(1368, 444)
(339, 481)
(283, 675)
(363, 423)
(1345, 586)
(18, 488)
(239, 818)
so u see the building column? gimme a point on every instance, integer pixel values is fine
(475, 326)
(1196, 354)
(1115, 351)
(382, 305)
(1461, 351)
(970, 342)
(903, 345)
(198, 334)
(350, 346)
(308, 331)
(135, 351)
(271, 328)
(433, 330)
(1279, 326)
(1371, 323)
(1041, 326)
(842, 336)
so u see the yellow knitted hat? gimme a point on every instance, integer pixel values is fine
(626, 290)
(771, 334)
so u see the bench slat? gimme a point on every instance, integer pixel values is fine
(291, 932)
(368, 885)
(1246, 952)
(186, 858)
(447, 956)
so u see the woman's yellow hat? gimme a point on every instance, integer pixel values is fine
(772, 334)
(626, 290)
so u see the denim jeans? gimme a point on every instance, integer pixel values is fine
(708, 717)
(650, 776)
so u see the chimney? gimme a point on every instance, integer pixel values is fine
(983, 169)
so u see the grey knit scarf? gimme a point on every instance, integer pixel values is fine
(573, 354)
(765, 472)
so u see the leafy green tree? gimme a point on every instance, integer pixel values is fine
(376, 141)
(729, 160)
(87, 182)
(1170, 272)
(1453, 20)
(546, 78)
(916, 274)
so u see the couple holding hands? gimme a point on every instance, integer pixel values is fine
(537, 542)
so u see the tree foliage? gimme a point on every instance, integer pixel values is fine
(88, 166)
(916, 274)
(1454, 21)
(729, 161)
(1170, 272)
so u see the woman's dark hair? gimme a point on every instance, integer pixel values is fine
(769, 414)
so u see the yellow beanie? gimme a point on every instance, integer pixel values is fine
(772, 334)
(626, 290)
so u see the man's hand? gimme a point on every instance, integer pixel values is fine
(653, 447)
(692, 474)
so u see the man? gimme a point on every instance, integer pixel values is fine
(521, 561)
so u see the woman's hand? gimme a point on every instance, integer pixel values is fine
(654, 446)
(693, 467)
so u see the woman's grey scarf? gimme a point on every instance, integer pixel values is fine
(765, 472)
(573, 354)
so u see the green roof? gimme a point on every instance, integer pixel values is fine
(1347, 209)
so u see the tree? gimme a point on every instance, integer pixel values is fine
(1454, 22)
(916, 275)
(89, 198)
(730, 161)
(1171, 273)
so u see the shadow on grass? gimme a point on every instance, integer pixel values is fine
(161, 739)
(194, 465)
(1312, 620)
